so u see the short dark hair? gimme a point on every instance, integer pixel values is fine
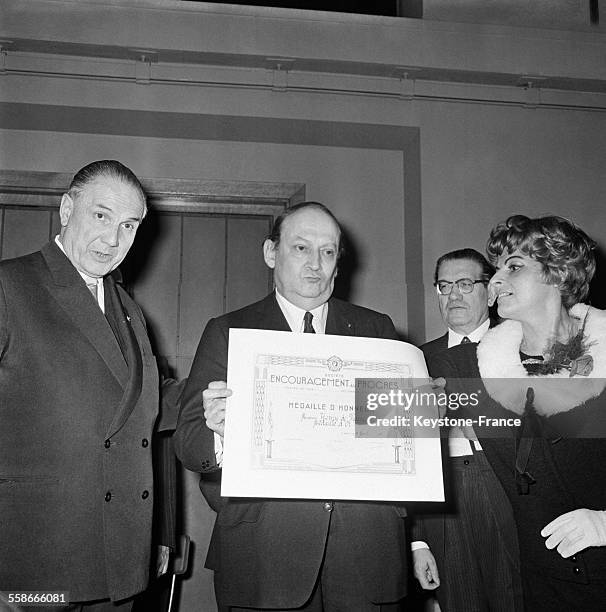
(563, 249)
(109, 168)
(471, 254)
(276, 230)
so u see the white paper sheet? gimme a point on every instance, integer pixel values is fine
(290, 423)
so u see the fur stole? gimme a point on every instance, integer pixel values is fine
(507, 381)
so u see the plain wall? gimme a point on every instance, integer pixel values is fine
(352, 182)
(479, 163)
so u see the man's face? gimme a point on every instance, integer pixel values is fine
(99, 225)
(463, 312)
(305, 260)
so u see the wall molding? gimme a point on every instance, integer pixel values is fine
(389, 82)
(44, 189)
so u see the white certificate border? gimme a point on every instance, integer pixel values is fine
(240, 479)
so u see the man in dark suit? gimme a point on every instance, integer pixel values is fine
(79, 398)
(472, 555)
(292, 554)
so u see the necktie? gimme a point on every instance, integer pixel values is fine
(308, 328)
(92, 287)
(465, 340)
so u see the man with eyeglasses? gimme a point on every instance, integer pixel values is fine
(460, 279)
(473, 553)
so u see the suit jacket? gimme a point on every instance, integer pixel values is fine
(268, 553)
(433, 347)
(79, 397)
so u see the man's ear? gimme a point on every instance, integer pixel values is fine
(66, 208)
(269, 253)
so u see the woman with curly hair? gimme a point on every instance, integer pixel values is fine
(544, 370)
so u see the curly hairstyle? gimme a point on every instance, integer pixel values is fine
(564, 250)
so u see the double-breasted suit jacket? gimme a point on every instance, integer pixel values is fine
(268, 553)
(79, 397)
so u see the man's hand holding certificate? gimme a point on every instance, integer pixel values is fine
(315, 416)
(213, 400)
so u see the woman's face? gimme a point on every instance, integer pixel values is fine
(520, 289)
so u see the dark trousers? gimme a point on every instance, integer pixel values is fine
(478, 571)
(336, 590)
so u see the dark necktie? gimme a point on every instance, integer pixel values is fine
(465, 340)
(308, 328)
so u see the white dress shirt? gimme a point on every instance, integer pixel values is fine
(476, 335)
(295, 316)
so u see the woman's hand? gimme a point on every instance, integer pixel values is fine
(574, 531)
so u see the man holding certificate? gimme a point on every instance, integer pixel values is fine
(312, 555)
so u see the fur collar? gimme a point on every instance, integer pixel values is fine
(499, 359)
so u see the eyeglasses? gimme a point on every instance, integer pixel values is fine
(465, 285)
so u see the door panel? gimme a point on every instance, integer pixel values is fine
(203, 281)
(247, 273)
(153, 277)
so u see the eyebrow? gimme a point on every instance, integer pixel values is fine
(302, 238)
(108, 209)
(512, 257)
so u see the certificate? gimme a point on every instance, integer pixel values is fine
(293, 429)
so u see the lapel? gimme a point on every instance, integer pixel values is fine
(132, 351)
(68, 288)
(338, 321)
(270, 315)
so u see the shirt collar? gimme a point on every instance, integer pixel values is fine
(455, 338)
(294, 315)
(89, 280)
